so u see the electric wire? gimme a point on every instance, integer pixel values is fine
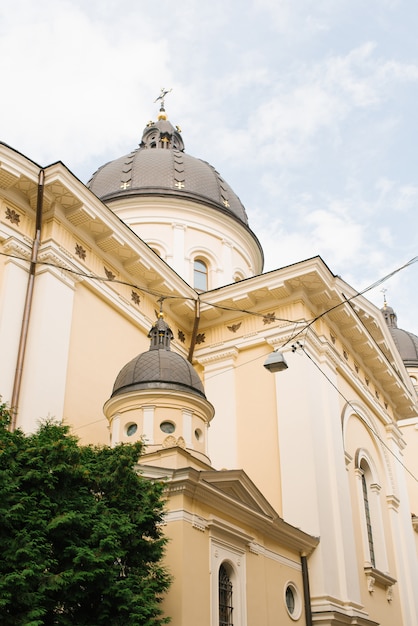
(307, 323)
(296, 346)
(347, 300)
(156, 294)
(297, 333)
(355, 412)
(97, 277)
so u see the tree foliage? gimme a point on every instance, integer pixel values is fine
(80, 533)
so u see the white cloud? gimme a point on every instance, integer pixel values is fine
(66, 82)
(330, 233)
(365, 78)
(354, 74)
(295, 20)
(312, 104)
(407, 198)
(308, 105)
(385, 236)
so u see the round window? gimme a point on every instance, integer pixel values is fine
(293, 602)
(131, 429)
(167, 427)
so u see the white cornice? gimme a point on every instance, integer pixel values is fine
(325, 351)
(96, 225)
(61, 260)
(359, 323)
(193, 214)
(219, 528)
(138, 260)
(18, 248)
(17, 165)
(218, 355)
(412, 421)
(51, 260)
(189, 483)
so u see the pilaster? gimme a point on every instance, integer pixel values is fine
(315, 488)
(45, 366)
(219, 381)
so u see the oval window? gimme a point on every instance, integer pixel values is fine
(167, 427)
(290, 600)
(131, 429)
(293, 601)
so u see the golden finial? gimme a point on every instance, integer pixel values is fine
(161, 300)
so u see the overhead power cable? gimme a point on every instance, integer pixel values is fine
(353, 297)
(159, 295)
(297, 346)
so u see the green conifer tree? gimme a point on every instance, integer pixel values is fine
(80, 533)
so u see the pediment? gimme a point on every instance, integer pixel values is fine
(236, 486)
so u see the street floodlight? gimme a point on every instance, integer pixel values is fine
(275, 362)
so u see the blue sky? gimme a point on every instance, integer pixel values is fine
(306, 107)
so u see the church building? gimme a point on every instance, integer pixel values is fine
(279, 408)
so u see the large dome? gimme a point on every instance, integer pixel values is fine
(406, 342)
(159, 166)
(159, 368)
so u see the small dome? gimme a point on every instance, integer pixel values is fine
(161, 167)
(406, 342)
(159, 368)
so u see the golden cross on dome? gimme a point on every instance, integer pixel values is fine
(124, 185)
(179, 184)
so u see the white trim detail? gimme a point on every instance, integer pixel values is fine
(373, 489)
(187, 427)
(148, 424)
(225, 552)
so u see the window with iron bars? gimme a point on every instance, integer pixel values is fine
(225, 598)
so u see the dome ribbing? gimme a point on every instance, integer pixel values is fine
(161, 167)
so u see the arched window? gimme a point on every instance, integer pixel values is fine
(364, 480)
(200, 275)
(369, 488)
(225, 597)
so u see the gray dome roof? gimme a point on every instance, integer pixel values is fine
(161, 167)
(406, 342)
(159, 368)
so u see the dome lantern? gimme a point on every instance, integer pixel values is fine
(160, 335)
